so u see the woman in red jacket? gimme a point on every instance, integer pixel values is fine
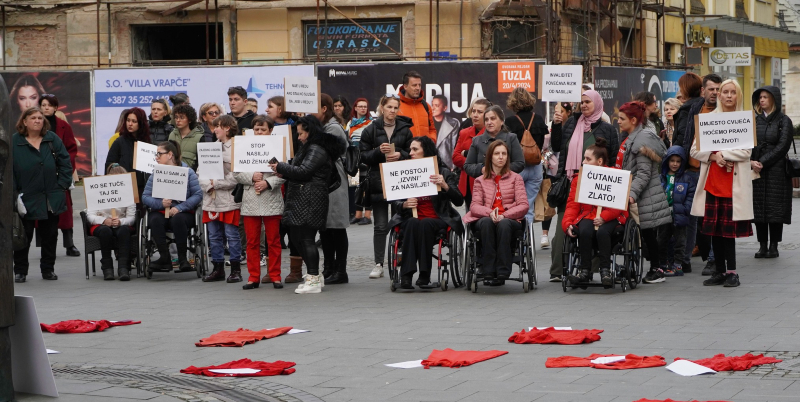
(465, 136)
(499, 205)
(581, 221)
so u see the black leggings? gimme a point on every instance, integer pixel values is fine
(774, 229)
(589, 237)
(334, 248)
(650, 240)
(304, 238)
(724, 253)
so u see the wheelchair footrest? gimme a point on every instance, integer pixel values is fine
(432, 285)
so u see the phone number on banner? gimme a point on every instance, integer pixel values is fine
(128, 99)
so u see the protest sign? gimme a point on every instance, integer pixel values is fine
(285, 131)
(253, 153)
(604, 187)
(110, 191)
(301, 94)
(170, 182)
(410, 178)
(721, 131)
(144, 156)
(209, 157)
(560, 83)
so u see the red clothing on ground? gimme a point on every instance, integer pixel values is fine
(459, 358)
(720, 181)
(631, 362)
(721, 362)
(267, 369)
(552, 335)
(272, 235)
(425, 208)
(227, 217)
(83, 326)
(241, 337)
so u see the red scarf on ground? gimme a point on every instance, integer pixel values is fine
(83, 326)
(241, 337)
(721, 362)
(631, 362)
(267, 369)
(552, 335)
(459, 358)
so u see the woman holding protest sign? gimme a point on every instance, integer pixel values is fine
(159, 121)
(123, 149)
(187, 133)
(724, 195)
(387, 139)
(475, 113)
(114, 231)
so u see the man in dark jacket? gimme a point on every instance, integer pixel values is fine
(237, 101)
(680, 190)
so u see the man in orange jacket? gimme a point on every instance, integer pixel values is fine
(413, 106)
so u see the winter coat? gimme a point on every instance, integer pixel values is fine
(464, 142)
(160, 130)
(683, 189)
(42, 176)
(307, 180)
(642, 155)
(419, 112)
(538, 128)
(480, 144)
(684, 122)
(772, 193)
(742, 183)
(64, 132)
(561, 134)
(188, 144)
(512, 188)
(446, 140)
(208, 133)
(339, 202)
(575, 211)
(268, 203)
(126, 215)
(245, 121)
(194, 195)
(121, 152)
(443, 203)
(220, 199)
(371, 139)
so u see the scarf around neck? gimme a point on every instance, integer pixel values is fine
(584, 124)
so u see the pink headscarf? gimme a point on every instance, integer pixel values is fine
(575, 150)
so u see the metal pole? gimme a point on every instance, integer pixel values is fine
(208, 42)
(318, 43)
(430, 30)
(98, 33)
(216, 30)
(6, 269)
(437, 29)
(326, 24)
(548, 42)
(4, 35)
(108, 11)
(461, 29)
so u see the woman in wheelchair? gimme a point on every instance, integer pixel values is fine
(499, 203)
(582, 221)
(114, 230)
(434, 214)
(181, 215)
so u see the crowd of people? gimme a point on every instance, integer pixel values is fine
(685, 201)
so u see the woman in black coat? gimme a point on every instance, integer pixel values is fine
(434, 213)
(388, 128)
(134, 129)
(772, 193)
(308, 182)
(159, 121)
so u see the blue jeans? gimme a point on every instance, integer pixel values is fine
(532, 176)
(691, 230)
(215, 240)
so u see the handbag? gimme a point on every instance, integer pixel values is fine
(238, 193)
(559, 191)
(541, 209)
(530, 150)
(19, 239)
(363, 198)
(352, 158)
(793, 166)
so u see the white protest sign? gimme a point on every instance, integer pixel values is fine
(559, 83)
(604, 187)
(170, 182)
(409, 178)
(721, 131)
(110, 191)
(144, 156)
(252, 153)
(285, 130)
(301, 94)
(209, 161)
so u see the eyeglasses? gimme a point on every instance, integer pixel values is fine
(161, 153)
(212, 113)
(391, 95)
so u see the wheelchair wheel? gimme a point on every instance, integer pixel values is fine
(392, 256)
(633, 256)
(200, 253)
(455, 250)
(145, 251)
(530, 256)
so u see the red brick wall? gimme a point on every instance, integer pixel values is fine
(36, 47)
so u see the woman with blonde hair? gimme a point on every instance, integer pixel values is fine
(671, 107)
(208, 112)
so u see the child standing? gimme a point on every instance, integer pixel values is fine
(680, 193)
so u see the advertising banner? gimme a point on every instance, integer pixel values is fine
(343, 39)
(74, 93)
(618, 85)
(118, 89)
(729, 56)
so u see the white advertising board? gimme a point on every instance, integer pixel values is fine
(729, 56)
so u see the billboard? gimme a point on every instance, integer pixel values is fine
(618, 85)
(344, 39)
(73, 91)
(118, 89)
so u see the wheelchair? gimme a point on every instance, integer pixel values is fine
(626, 244)
(197, 245)
(446, 263)
(524, 257)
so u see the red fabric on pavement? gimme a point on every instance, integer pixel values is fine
(241, 337)
(459, 358)
(552, 335)
(669, 400)
(267, 369)
(631, 362)
(721, 362)
(83, 326)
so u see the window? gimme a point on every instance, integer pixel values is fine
(758, 72)
(580, 42)
(514, 38)
(154, 44)
(627, 44)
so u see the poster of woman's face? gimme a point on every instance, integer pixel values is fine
(73, 90)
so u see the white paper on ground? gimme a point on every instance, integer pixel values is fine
(687, 368)
(235, 371)
(608, 359)
(405, 365)
(556, 328)
(294, 331)
(52, 352)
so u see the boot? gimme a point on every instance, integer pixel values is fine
(328, 270)
(164, 261)
(266, 278)
(72, 251)
(217, 274)
(295, 270)
(605, 277)
(124, 269)
(340, 276)
(183, 263)
(236, 272)
(773, 250)
(107, 265)
(584, 275)
(405, 282)
(762, 251)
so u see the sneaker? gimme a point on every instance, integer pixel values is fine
(365, 221)
(716, 279)
(654, 276)
(264, 260)
(377, 272)
(544, 242)
(555, 278)
(731, 280)
(227, 263)
(312, 284)
(687, 268)
(677, 269)
(321, 281)
(668, 271)
(709, 269)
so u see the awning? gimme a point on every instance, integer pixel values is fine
(741, 25)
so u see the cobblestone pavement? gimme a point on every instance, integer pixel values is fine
(359, 327)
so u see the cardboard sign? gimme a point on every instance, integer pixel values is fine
(301, 94)
(253, 153)
(604, 187)
(110, 191)
(209, 161)
(144, 156)
(721, 131)
(409, 178)
(560, 83)
(170, 182)
(285, 131)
